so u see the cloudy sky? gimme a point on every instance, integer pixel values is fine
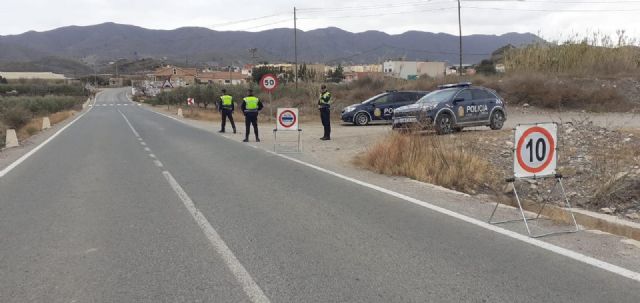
(552, 19)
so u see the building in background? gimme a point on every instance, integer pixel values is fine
(32, 76)
(412, 70)
(232, 78)
(177, 76)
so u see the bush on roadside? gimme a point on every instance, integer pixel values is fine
(445, 162)
(16, 117)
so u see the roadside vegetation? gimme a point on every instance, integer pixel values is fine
(24, 103)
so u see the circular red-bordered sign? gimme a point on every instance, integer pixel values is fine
(287, 119)
(521, 143)
(269, 82)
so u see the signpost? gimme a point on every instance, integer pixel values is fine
(269, 83)
(535, 158)
(287, 121)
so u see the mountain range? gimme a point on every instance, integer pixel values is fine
(98, 44)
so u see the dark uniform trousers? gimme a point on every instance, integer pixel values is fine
(227, 113)
(251, 118)
(326, 121)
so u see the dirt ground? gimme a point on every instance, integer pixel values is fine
(594, 149)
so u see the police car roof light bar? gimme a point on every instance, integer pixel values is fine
(461, 84)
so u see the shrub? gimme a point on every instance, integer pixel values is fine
(16, 117)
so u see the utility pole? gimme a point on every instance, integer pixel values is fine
(460, 36)
(295, 44)
(230, 78)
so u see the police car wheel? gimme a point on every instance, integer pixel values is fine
(361, 119)
(444, 124)
(497, 120)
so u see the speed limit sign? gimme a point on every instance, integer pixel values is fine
(269, 82)
(536, 150)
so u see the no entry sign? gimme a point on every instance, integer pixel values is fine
(536, 150)
(287, 119)
(269, 82)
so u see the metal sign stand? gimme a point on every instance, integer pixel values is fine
(275, 140)
(545, 201)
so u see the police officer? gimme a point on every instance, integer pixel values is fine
(251, 105)
(324, 104)
(226, 107)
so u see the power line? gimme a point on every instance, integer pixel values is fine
(374, 6)
(555, 10)
(380, 14)
(247, 20)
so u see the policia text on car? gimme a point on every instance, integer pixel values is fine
(324, 105)
(226, 107)
(251, 105)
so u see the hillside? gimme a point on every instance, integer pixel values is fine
(110, 41)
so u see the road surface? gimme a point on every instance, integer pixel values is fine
(127, 205)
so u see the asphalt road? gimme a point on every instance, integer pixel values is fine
(157, 211)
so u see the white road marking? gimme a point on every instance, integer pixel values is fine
(147, 149)
(152, 156)
(26, 156)
(535, 242)
(143, 143)
(249, 286)
(514, 235)
(130, 126)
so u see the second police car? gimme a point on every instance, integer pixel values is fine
(379, 107)
(451, 108)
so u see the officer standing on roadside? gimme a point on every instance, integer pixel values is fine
(251, 105)
(324, 104)
(226, 107)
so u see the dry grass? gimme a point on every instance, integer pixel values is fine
(35, 125)
(595, 54)
(446, 162)
(61, 116)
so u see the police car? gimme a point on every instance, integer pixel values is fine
(451, 108)
(379, 107)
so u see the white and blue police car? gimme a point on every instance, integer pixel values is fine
(379, 107)
(451, 108)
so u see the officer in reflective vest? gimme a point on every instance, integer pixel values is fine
(226, 107)
(324, 104)
(251, 105)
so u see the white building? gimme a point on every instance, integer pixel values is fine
(32, 76)
(414, 69)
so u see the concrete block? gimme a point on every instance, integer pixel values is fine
(46, 123)
(180, 113)
(12, 138)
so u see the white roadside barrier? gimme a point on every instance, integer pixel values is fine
(180, 113)
(46, 123)
(12, 139)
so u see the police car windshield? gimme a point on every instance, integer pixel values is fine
(438, 96)
(373, 98)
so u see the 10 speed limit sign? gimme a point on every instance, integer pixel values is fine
(535, 150)
(269, 82)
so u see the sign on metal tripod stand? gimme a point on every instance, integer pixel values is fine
(535, 158)
(287, 120)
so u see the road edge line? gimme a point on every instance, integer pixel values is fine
(30, 153)
(535, 242)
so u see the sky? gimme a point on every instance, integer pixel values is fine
(553, 20)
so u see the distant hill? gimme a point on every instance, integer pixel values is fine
(109, 41)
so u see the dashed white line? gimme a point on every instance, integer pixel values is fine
(143, 143)
(152, 156)
(249, 286)
(158, 163)
(129, 123)
(147, 149)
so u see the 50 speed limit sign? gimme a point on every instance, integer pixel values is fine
(269, 82)
(535, 150)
